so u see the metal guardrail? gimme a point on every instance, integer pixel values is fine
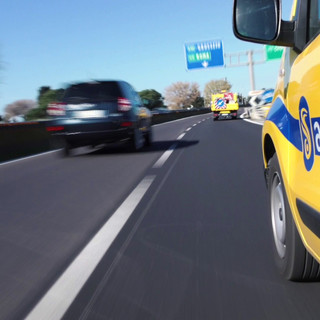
(23, 139)
(28, 138)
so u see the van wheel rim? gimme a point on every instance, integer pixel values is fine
(278, 216)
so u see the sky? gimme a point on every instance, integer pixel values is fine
(55, 42)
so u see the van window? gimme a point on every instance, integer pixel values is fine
(314, 19)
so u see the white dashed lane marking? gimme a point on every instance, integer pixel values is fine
(60, 296)
(181, 136)
(164, 157)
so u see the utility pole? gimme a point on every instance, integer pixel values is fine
(246, 58)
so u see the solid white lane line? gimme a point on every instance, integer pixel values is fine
(125, 245)
(181, 136)
(164, 157)
(60, 296)
(29, 157)
(254, 122)
(251, 121)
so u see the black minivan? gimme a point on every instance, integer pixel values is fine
(98, 112)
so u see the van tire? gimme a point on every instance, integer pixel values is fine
(291, 257)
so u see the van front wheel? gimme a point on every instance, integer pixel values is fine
(292, 259)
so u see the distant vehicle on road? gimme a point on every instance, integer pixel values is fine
(224, 105)
(260, 102)
(97, 112)
(160, 110)
(15, 119)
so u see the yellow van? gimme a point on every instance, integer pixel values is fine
(224, 105)
(291, 133)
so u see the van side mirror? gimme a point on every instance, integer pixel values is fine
(260, 21)
(256, 20)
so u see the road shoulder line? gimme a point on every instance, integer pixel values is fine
(251, 121)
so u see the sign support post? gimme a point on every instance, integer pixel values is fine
(246, 59)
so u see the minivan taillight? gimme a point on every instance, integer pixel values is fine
(56, 109)
(124, 104)
(55, 128)
(126, 124)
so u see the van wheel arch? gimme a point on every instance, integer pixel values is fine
(268, 147)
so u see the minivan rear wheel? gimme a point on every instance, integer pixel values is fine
(137, 141)
(149, 137)
(66, 150)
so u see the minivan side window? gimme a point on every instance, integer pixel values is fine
(135, 96)
(132, 94)
(127, 90)
(314, 19)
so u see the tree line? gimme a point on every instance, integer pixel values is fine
(179, 95)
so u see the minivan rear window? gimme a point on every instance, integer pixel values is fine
(93, 91)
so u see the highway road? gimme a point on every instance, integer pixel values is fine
(180, 230)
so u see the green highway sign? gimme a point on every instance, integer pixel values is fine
(273, 52)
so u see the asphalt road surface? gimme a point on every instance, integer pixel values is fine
(180, 230)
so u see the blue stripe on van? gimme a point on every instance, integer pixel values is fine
(288, 125)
